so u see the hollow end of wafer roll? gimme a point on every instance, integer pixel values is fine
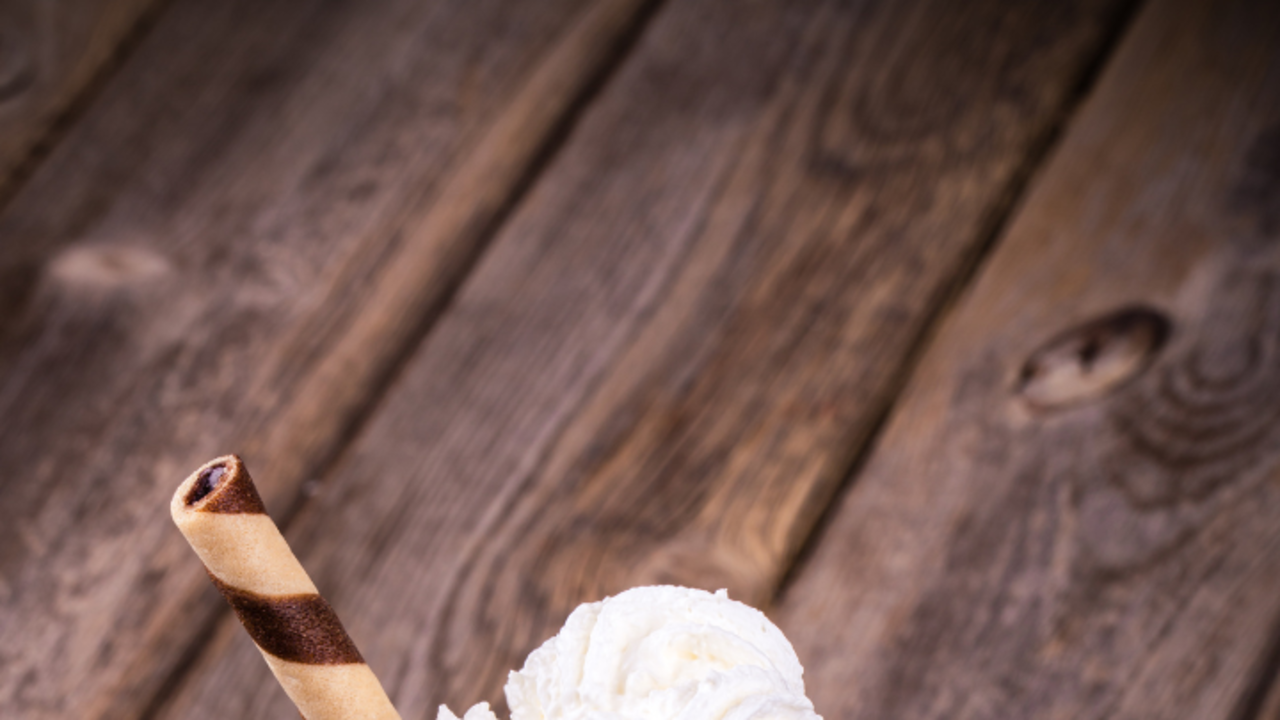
(218, 510)
(221, 485)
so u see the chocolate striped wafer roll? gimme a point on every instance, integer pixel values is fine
(220, 513)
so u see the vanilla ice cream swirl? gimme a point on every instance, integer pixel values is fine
(659, 653)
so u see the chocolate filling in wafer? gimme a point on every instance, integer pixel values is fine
(225, 488)
(300, 628)
(205, 484)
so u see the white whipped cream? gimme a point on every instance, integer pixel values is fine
(659, 653)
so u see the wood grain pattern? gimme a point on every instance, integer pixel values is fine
(50, 53)
(232, 250)
(662, 367)
(1119, 556)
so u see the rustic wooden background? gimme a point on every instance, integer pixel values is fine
(948, 332)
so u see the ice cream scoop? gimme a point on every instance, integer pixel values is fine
(659, 653)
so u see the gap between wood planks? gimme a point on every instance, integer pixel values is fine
(556, 139)
(41, 141)
(395, 366)
(995, 226)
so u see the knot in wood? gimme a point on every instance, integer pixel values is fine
(107, 267)
(1091, 359)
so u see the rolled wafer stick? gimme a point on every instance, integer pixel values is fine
(220, 513)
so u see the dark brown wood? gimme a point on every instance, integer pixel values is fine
(1118, 555)
(660, 371)
(50, 53)
(1271, 704)
(231, 251)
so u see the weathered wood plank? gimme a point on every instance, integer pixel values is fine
(50, 52)
(1066, 517)
(660, 370)
(232, 250)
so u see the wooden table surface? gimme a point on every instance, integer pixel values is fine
(948, 333)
